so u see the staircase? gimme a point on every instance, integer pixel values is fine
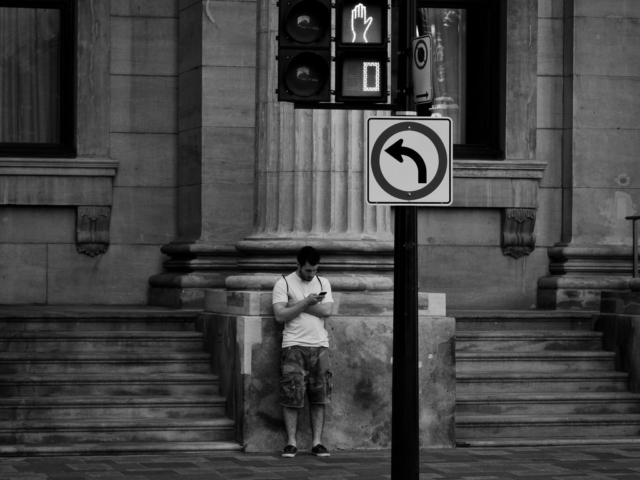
(100, 380)
(538, 378)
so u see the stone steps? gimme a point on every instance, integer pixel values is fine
(525, 341)
(521, 320)
(140, 407)
(117, 341)
(532, 382)
(546, 426)
(97, 362)
(538, 376)
(115, 448)
(96, 380)
(149, 384)
(545, 361)
(109, 430)
(583, 403)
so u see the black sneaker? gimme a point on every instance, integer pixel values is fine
(320, 451)
(289, 451)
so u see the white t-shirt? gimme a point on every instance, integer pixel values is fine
(305, 330)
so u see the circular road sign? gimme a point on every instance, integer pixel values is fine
(433, 137)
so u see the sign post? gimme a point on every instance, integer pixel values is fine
(405, 430)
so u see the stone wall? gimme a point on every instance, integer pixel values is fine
(246, 353)
(127, 116)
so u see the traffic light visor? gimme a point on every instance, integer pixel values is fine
(307, 21)
(306, 74)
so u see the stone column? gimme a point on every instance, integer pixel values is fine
(599, 155)
(217, 59)
(310, 180)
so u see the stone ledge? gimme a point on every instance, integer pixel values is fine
(96, 167)
(258, 303)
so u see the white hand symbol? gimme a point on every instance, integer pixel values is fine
(359, 20)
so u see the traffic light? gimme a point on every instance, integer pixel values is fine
(362, 59)
(304, 51)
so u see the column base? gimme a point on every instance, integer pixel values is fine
(192, 268)
(579, 275)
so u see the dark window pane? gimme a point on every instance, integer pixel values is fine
(30, 75)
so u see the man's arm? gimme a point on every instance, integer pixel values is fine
(285, 312)
(322, 310)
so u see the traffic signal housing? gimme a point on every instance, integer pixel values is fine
(304, 51)
(362, 59)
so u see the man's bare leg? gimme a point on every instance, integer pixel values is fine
(317, 423)
(291, 424)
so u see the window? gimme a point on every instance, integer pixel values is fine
(468, 72)
(37, 78)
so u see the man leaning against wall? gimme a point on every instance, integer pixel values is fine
(302, 301)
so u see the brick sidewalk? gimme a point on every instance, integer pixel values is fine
(619, 462)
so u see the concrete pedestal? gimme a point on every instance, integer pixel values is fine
(245, 341)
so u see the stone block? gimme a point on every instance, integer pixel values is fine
(144, 104)
(228, 155)
(619, 108)
(599, 215)
(190, 44)
(549, 217)
(143, 215)
(620, 335)
(609, 8)
(190, 212)
(148, 160)
(117, 277)
(178, 298)
(495, 193)
(606, 158)
(233, 302)
(550, 46)
(229, 38)
(550, 8)
(144, 46)
(37, 225)
(228, 213)
(607, 46)
(550, 102)
(55, 190)
(457, 226)
(549, 149)
(228, 97)
(359, 416)
(23, 274)
(482, 278)
(144, 8)
(92, 97)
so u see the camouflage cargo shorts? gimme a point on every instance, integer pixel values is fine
(305, 370)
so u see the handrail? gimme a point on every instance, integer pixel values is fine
(635, 218)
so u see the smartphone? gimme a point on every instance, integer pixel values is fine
(322, 293)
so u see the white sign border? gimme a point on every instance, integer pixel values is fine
(419, 202)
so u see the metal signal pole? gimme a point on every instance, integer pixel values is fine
(405, 431)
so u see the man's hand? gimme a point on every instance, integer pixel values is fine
(285, 312)
(360, 23)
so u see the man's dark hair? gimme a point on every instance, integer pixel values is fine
(308, 255)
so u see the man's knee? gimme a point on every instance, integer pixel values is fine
(292, 390)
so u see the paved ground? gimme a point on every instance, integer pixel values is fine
(619, 462)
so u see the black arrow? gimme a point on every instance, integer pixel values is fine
(397, 151)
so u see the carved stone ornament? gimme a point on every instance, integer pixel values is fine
(518, 238)
(92, 230)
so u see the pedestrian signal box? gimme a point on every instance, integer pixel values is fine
(362, 59)
(304, 51)
(360, 68)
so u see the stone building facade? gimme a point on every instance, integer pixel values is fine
(183, 150)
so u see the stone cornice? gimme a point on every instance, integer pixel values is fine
(498, 169)
(95, 167)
